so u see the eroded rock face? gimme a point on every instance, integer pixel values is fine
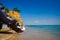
(12, 23)
(15, 15)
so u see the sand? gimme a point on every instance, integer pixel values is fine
(28, 34)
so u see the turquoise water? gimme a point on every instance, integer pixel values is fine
(51, 29)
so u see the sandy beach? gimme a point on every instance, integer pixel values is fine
(28, 34)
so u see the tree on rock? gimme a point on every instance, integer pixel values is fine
(16, 9)
(7, 10)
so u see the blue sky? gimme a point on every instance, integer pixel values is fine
(36, 12)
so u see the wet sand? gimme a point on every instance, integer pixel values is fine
(28, 34)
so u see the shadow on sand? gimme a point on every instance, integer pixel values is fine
(6, 32)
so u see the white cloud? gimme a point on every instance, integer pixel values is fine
(36, 22)
(43, 22)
